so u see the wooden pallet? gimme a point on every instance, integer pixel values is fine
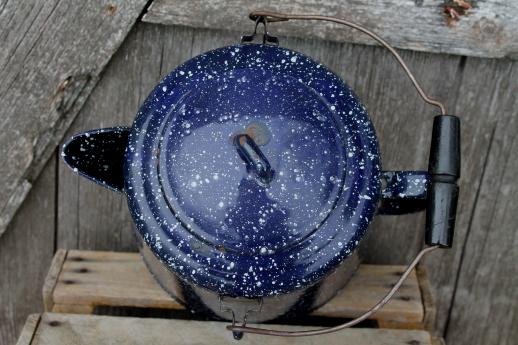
(61, 329)
(86, 282)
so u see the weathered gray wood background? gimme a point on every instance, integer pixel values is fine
(51, 55)
(488, 31)
(475, 283)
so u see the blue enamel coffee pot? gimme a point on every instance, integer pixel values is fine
(252, 173)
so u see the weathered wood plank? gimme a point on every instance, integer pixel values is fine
(108, 278)
(29, 329)
(486, 295)
(418, 25)
(26, 250)
(52, 55)
(438, 341)
(93, 278)
(481, 106)
(430, 310)
(57, 329)
(52, 277)
(368, 286)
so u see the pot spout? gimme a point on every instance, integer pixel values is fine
(98, 155)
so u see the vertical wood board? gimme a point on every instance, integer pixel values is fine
(481, 108)
(26, 250)
(486, 295)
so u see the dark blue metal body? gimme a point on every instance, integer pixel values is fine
(197, 206)
(255, 217)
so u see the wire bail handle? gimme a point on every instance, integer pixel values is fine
(269, 16)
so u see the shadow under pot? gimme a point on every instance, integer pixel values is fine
(252, 173)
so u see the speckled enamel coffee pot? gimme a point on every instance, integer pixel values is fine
(252, 173)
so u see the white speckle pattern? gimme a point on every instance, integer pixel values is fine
(199, 207)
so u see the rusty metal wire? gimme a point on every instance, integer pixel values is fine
(366, 315)
(270, 16)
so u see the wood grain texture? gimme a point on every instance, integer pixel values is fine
(52, 55)
(58, 329)
(29, 329)
(486, 296)
(482, 102)
(108, 278)
(96, 278)
(26, 250)
(430, 310)
(52, 277)
(368, 285)
(417, 25)
(438, 341)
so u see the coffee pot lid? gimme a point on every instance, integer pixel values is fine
(252, 170)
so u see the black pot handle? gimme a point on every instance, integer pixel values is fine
(443, 191)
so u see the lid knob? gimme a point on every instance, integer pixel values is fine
(256, 163)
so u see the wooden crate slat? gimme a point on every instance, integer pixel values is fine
(52, 276)
(94, 278)
(29, 329)
(430, 310)
(57, 329)
(111, 279)
(368, 286)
